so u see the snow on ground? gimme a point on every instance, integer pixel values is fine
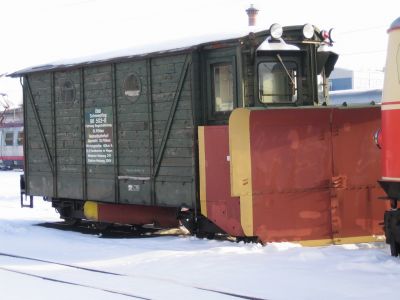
(174, 267)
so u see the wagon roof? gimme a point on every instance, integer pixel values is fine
(177, 46)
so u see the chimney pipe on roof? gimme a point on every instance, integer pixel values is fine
(252, 13)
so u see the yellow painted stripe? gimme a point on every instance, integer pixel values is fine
(359, 239)
(239, 151)
(390, 107)
(391, 178)
(240, 166)
(90, 210)
(315, 243)
(202, 167)
(341, 241)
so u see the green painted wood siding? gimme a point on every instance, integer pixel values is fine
(139, 127)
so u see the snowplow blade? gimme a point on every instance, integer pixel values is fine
(307, 175)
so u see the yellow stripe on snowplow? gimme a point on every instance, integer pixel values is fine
(359, 239)
(202, 167)
(90, 209)
(315, 243)
(342, 241)
(240, 166)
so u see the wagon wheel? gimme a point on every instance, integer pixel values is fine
(101, 226)
(71, 221)
(205, 235)
(393, 203)
(394, 248)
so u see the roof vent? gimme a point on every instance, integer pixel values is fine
(252, 13)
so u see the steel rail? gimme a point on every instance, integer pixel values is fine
(73, 283)
(235, 295)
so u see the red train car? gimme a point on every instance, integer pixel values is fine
(388, 138)
(11, 139)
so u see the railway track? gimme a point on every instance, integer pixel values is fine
(104, 231)
(125, 231)
(117, 279)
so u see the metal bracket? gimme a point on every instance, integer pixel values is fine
(24, 195)
(24, 201)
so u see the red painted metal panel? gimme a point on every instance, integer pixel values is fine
(291, 172)
(222, 209)
(290, 150)
(356, 154)
(292, 216)
(391, 143)
(313, 175)
(357, 165)
(359, 212)
(137, 214)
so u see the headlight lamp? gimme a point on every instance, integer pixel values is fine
(308, 31)
(276, 31)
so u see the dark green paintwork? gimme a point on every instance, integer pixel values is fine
(154, 135)
(139, 134)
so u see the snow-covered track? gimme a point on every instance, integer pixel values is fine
(111, 231)
(59, 264)
(73, 283)
(62, 281)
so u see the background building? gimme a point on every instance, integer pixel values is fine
(345, 79)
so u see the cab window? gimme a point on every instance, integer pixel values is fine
(223, 87)
(277, 82)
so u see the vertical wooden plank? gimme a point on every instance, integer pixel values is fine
(54, 133)
(115, 130)
(100, 176)
(26, 134)
(83, 134)
(178, 91)
(39, 125)
(196, 116)
(151, 130)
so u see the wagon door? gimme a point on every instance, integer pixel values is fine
(133, 133)
(69, 135)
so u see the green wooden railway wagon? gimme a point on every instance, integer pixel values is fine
(121, 129)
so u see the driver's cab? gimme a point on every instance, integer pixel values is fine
(292, 66)
(278, 67)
